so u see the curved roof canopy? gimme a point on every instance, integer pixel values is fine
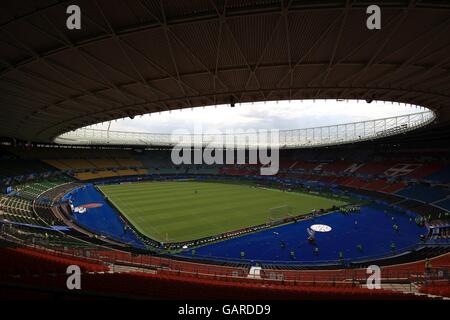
(285, 139)
(141, 56)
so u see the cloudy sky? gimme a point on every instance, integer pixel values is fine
(269, 115)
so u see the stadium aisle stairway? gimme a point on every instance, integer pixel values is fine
(424, 193)
(394, 187)
(444, 204)
(441, 176)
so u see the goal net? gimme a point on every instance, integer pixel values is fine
(280, 213)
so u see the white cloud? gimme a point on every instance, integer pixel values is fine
(269, 115)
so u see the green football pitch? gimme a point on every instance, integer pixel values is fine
(178, 211)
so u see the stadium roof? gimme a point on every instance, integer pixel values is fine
(136, 57)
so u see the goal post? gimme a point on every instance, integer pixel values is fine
(164, 237)
(280, 213)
